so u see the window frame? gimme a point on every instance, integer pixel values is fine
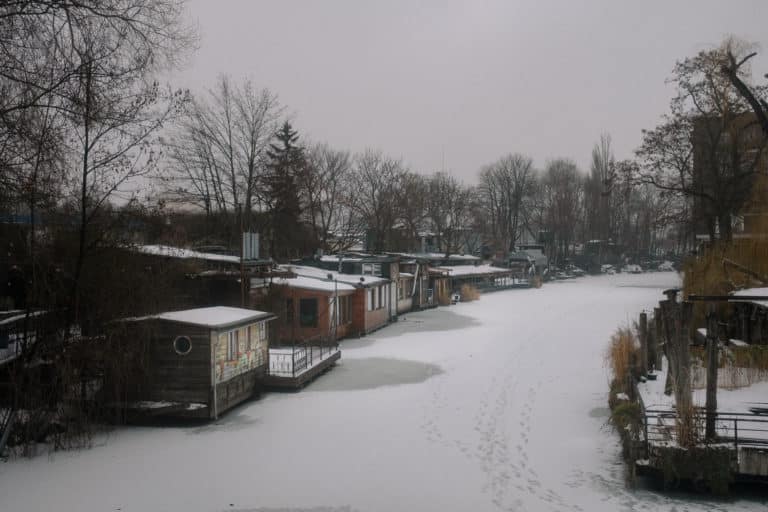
(314, 314)
(176, 348)
(233, 342)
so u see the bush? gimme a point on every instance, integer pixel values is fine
(469, 293)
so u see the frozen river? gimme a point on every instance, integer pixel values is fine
(498, 404)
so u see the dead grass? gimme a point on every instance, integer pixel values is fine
(706, 275)
(469, 293)
(689, 426)
(622, 353)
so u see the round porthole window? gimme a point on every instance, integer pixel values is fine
(182, 345)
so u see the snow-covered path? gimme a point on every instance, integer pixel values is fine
(498, 404)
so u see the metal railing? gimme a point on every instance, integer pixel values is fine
(7, 417)
(292, 360)
(661, 427)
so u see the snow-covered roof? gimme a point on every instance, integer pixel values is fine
(322, 273)
(469, 270)
(314, 283)
(406, 274)
(439, 255)
(180, 252)
(754, 292)
(214, 317)
(11, 319)
(330, 258)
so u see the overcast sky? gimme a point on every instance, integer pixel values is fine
(468, 80)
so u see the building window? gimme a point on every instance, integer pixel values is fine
(371, 269)
(182, 345)
(370, 299)
(344, 310)
(249, 334)
(308, 312)
(232, 341)
(289, 311)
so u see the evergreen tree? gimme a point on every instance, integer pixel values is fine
(286, 163)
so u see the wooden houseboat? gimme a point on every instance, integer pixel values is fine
(372, 305)
(313, 309)
(195, 363)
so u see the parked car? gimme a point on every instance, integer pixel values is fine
(667, 266)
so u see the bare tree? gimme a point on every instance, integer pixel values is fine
(598, 191)
(374, 182)
(412, 193)
(559, 204)
(80, 108)
(448, 205)
(39, 41)
(705, 149)
(323, 189)
(505, 188)
(218, 151)
(736, 58)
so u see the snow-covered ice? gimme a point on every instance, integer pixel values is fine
(497, 404)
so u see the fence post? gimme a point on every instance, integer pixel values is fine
(644, 415)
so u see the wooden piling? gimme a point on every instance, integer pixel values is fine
(658, 339)
(683, 390)
(712, 347)
(667, 311)
(643, 334)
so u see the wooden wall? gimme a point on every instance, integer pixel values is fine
(174, 377)
(237, 389)
(246, 359)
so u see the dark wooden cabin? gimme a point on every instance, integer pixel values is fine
(196, 363)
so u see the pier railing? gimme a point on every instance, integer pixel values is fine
(292, 360)
(660, 427)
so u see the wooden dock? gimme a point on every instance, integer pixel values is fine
(295, 380)
(739, 449)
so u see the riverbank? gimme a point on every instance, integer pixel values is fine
(496, 404)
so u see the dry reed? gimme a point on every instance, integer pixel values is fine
(622, 353)
(469, 293)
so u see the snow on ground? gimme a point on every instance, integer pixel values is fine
(497, 404)
(737, 400)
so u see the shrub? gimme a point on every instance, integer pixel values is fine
(469, 293)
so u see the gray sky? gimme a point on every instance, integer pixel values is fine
(470, 80)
